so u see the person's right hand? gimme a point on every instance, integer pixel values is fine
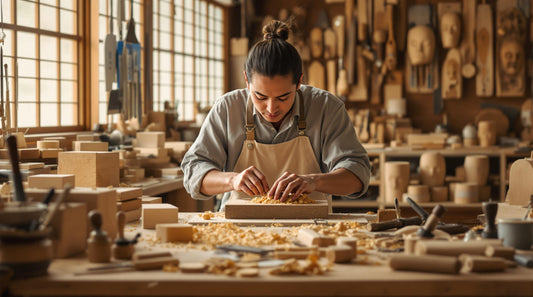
(250, 181)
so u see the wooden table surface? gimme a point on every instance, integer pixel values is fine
(343, 280)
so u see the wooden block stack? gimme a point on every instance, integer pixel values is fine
(90, 146)
(151, 200)
(129, 201)
(47, 181)
(130, 169)
(88, 137)
(177, 149)
(49, 149)
(151, 145)
(27, 169)
(91, 169)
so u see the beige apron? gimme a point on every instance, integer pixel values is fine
(294, 156)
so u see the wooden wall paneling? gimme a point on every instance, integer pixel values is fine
(484, 53)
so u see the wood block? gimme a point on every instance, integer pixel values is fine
(91, 146)
(386, 215)
(21, 140)
(31, 165)
(152, 151)
(339, 254)
(310, 237)
(132, 204)
(179, 148)
(47, 181)
(64, 143)
(158, 172)
(244, 209)
(102, 199)
(151, 200)
(153, 214)
(137, 172)
(91, 169)
(174, 232)
(133, 215)
(349, 241)
(69, 229)
(29, 153)
(47, 144)
(127, 193)
(150, 139)
(88, 137)
(50, 153)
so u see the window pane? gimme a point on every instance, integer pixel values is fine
(48, 18)
(26, 45)
(27, 114)
(68, 51)
(48, 48)
(69, 92)
(27, 68)
(49, 114)
(67, 20)
(49, 70)
(27, 87)
(48, 90)
(26, 13)
(68, 71)
(68, 4)
(69, 114)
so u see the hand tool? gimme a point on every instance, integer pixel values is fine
(490, 209)
(397, 223)
(448, 228)
(397, 208)
(110, 55)
(15, 169)
(7, 111)
(58, 203)
(145, 264)
(524, 260)
(426, 230)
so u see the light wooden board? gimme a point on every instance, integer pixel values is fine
(332, 218)
(317, 75)
(359, 92)
(485, 53)
(242, 208)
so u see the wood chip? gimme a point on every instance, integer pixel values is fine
(248, 272)
(192, 267)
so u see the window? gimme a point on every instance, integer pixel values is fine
(188, 56)
(42, 47)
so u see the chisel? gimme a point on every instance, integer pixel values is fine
(145, 264)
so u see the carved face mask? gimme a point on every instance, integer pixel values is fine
(420, 45)
(511, 57)
(450, 30)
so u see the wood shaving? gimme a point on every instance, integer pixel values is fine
(207, 215)
(310, 266)
(265, 199)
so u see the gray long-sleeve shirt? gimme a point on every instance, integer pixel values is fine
(222, 135)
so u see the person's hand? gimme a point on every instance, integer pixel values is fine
(291, 183)
(250, 181)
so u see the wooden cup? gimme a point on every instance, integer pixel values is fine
(419, 193)
(466, 193)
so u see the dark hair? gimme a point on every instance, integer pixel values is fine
(274, 55)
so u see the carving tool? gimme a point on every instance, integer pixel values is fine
(145, 264)
(396, 223)
(7, 111)
(448, 228)
(15, 169)
(52, 213)
(426, 230)
(397, 208)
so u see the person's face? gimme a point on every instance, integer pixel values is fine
(512, 57)
(421, 45)
(272, 97)
(450, 30)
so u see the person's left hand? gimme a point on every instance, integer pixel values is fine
(291, 183)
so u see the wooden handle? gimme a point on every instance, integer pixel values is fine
(95, 218)
(500, 251)
(473, 263)
(154, 263)
(121, 222)
(15, 169)
(151, 254)
(397, 223)
(454, 248)
(425, 263)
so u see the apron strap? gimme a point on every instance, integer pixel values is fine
(250, 127)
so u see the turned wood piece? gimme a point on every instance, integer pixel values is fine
(450, 30)
(476, 263)
(425, 263)
(465, 193)
(439, 194)
(98, 244)
(432, 169)
(486, 133)
(427, 229)
(419, 193)
(490, 209)
(520, 187)
(505, 252)
(477, 169)
(396, 180)
(122, 248)
(420, 45)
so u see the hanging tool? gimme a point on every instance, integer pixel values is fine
(134, 47)
(7, 111)
(110, 55)
(15, 169)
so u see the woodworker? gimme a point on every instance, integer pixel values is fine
(277, 136)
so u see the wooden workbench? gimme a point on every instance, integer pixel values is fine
(343, 280)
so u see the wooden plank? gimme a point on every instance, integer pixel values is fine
(332, 218)
(237, 208)
(485, 53)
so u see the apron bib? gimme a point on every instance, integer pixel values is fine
(294, 156)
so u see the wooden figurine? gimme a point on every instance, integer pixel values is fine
(510, 54)
(486, 133)
(452, 82)
(432, 169)
(450, 29)
(396, 180)
(98, 244)
(477, 169)
(484, 55)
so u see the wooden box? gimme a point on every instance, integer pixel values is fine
(91, 169)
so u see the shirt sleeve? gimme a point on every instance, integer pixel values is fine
(341, 147)
(208, 152)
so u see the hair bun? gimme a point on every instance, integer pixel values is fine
(276, 29)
